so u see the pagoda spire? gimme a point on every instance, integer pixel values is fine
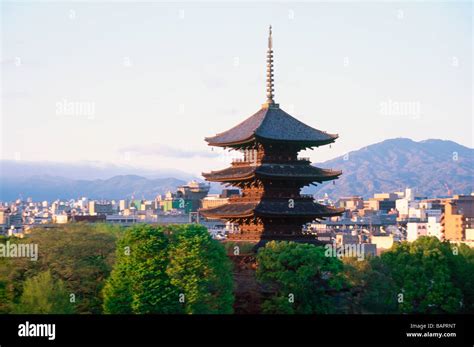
(270, 89)
(270, 175)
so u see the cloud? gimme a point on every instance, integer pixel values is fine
(167, 151)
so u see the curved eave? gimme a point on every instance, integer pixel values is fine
(306, 143)
(253, 140)
(211, 215)
(225, 211)
(324, 212)
(311, 178)
(239, 143)
(210, 178)
(245, 210)
(218, 176)
(226, 175)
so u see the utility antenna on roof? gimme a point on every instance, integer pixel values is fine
(270, 90)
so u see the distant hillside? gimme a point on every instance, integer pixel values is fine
(118, 187)
(428, 166)
(83, 170)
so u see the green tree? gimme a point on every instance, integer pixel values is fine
(303, 278)
(139, 280)
(379, 291)
(201, 271)
(461, 264)
(81, 255)
(174, 269)
(117, 291)
(44, 295)
(423, 274)
(368, 285)
(6, 287)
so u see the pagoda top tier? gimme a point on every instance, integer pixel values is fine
(271, 124)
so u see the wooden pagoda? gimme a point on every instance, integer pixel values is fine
(270, 174)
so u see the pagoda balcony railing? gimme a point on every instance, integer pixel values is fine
(243, 162)
(304, 159)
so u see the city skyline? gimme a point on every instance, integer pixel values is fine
(193, 80)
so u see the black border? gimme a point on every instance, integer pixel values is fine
(238, 329)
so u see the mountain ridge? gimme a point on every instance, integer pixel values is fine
(430, 166)
(46, 187)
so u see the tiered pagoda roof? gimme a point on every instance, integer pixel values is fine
(271, 124)
(271, 175)
(294, 171)
(275, 208)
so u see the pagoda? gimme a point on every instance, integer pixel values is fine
(270, 174)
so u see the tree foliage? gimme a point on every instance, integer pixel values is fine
(175, 269)
(422, 273)
(200, 270)
(80, 255)
(372, 288)
(139, 283)
(44, 295)
(424, 276)
(303, 278)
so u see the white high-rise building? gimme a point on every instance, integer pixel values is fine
(433, 227)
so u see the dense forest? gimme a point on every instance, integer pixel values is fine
(103, 269)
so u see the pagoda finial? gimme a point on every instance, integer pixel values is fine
(270, 37)
(270, 88)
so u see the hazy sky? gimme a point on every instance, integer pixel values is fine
(148, 81)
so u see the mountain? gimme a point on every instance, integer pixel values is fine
(45, 187)
(432, 167)
(83, 170)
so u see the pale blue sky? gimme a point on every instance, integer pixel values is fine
(197, 69)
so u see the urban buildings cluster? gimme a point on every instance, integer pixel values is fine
(181, 206)
(399, 216)
(376, 222)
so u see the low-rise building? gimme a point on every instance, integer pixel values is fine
(457, 217)
(383, 241)
(415, 230)
(60, 218)
(100, 208)
(351, 203)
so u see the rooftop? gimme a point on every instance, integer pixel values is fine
(272, 207)
(272, 124)
(282, 171)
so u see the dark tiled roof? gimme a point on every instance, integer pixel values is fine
(298, 171)
(283, 171)
(272, 207)
(230, 174)
(239, 209)
(303, 207)
(271, 124)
